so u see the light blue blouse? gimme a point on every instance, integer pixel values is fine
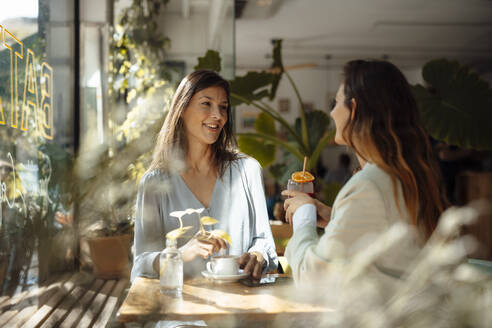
(238, 202)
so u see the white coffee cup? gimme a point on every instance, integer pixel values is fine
(223, 265)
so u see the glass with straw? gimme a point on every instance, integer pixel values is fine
(302, 181)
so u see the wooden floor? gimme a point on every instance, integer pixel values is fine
(71, 300)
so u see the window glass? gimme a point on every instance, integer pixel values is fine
(36, 133)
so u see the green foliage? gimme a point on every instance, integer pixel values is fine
(252, 89)
(210, 61)
(263, 151)
(456, 107)
(253, 146)
(265, 124)
(106, 176)
(252, 86)
(317, 121)
(277, 67)
(282, 171)
(138, 51)
(105, 182)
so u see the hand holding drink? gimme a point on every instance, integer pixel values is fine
(299, 186)
(302, 181)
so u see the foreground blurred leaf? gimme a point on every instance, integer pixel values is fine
(179, 214)
(177, 233)
(221, 234)
(207, 220)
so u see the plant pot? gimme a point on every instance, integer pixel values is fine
(110, 256)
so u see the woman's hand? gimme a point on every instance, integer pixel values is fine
(252, 264)
(203, 247)
(296, 200)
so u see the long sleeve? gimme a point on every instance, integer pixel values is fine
(149, 230)
(358, 217)
(262, 233)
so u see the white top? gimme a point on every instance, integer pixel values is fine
(238, 202)
(363, 210)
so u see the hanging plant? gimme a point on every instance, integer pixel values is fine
(138, 51)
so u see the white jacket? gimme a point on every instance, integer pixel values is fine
(363, 211)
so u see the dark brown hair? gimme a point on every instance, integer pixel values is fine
(386, 129)
(172, 141)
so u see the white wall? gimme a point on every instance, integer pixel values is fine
(190, 38)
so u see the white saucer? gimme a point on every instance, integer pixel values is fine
(224, 278)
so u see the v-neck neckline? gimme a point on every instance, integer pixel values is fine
(195, 197)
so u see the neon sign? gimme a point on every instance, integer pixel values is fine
(41, 109)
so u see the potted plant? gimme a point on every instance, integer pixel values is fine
(106, 180)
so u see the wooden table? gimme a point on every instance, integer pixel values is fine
(221, 305)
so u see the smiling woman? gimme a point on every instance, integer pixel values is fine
(206, 115)
(216, 177)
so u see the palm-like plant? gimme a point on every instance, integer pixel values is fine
(455, 105)
(306, 138)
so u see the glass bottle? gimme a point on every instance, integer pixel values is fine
(171, 269)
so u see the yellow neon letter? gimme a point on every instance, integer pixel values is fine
(14, 115)
(30, 88)
(46, 111)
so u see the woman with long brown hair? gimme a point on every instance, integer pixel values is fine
(216, 177)
(377, 117)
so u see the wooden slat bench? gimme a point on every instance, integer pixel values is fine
(70, 300)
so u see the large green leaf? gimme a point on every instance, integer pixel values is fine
(257, 148)
(317, 122)
(291, 147)
(313, 160)
(263, 150)
(252, 86)
(277, 67)
(457, 106)
(265, 124)
(210, 61)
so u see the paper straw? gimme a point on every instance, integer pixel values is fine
(304, 167)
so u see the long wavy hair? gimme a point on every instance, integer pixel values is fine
(172, 140)
(386, 129)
